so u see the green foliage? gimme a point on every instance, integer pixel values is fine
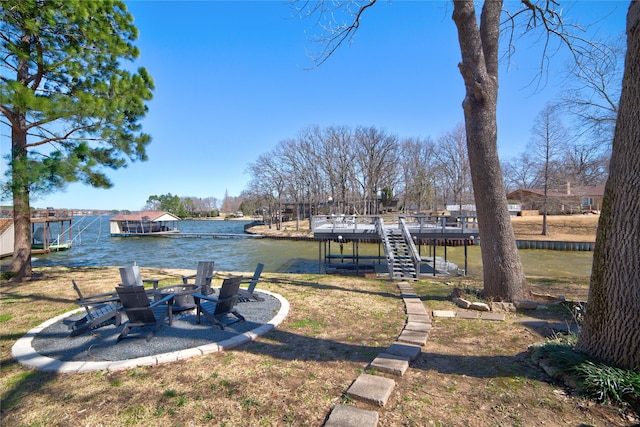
(606, 383)
(63, 84)
(386, 196)
(169, 203)
(598, 381)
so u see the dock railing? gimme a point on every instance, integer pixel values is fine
(415, 223)
(464, 224)
(342, 223)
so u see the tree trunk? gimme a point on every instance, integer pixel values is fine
(21, 262)
(502, 269)
(611, 330)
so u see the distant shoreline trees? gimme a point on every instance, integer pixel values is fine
(362, 170)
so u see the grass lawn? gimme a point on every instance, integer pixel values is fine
(471, 372)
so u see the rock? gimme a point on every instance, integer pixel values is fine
(479, 306)
(503, 306)
(526, 305)
(462, 303)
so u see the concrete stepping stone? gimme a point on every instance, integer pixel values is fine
(444, 313)
(413, 337)
(467, 315)
(405, 350)
(348, 416)
(418, 326)
(492, 316)
(390, 364)
(418, 318)
(371, 389)
(415, 307)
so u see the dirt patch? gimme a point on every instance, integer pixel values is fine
(471, 372)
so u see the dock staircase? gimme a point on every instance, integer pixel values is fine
(402, 256)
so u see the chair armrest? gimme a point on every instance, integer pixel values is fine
(185, 279)
(205, 297)
(98, 298)
(167, 298)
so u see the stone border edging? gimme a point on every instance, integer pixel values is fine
(26, 355)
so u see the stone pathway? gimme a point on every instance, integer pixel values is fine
(395, 360)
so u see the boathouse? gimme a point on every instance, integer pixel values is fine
(148, 223)
(51, 231)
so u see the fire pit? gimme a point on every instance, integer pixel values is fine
(183, 295)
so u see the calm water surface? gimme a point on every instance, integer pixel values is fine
(93, 246)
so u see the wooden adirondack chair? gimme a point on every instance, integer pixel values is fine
(102, 310)
(246, 295)
(202, 277)
(130, 276)
(141, 313)
(217, 309)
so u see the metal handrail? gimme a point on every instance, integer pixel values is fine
(415, 256)
(387, 246)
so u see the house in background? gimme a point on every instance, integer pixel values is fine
(143, 224)
(578, 199)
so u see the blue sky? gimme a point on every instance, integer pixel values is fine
(233, 79)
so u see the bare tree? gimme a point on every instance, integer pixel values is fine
(226, 203)
(520, 172)
(479, 68)
(375, 162)
(610, 331)
(417, 164)
(309, 145)
(453, 165)
(269, 183)
(593, 90)
(585, 163)
(295, 175)
(547, 136)
(337, 160)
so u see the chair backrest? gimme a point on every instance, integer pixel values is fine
(81, 298)
(204, 273)
(75, 286)
(130, 276)
(228, 297)
(135, 302)
(256, 277)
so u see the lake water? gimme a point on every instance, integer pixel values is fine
(93, 246)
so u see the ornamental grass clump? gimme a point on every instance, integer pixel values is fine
(607, 383)
(595, 380)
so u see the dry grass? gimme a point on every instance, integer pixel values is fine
(471, 372)
(569, 228)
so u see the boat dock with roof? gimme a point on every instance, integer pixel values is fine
(151, 223)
